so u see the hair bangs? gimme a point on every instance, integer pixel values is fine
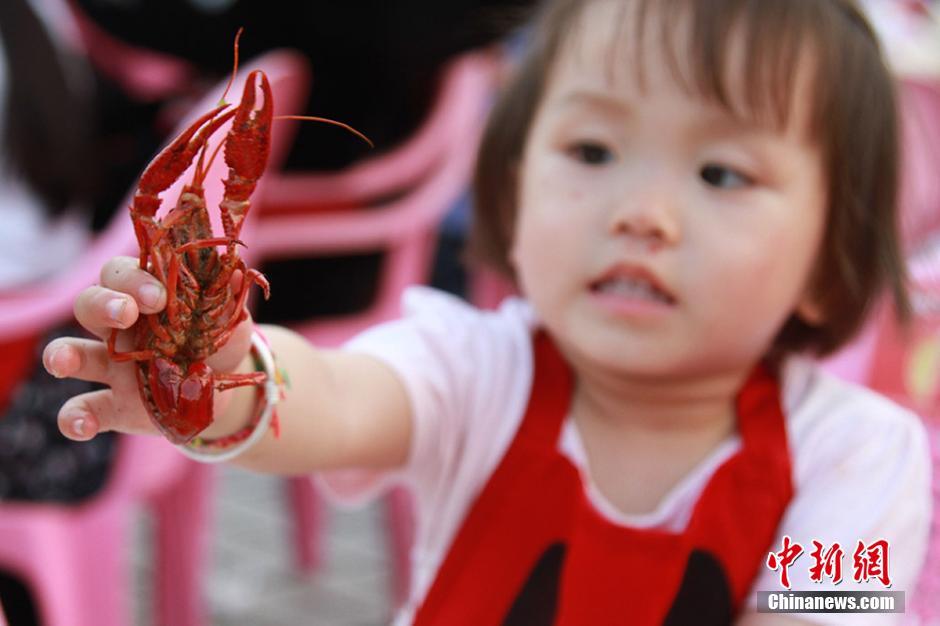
(699, 39)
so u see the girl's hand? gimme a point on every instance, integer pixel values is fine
(125, 292)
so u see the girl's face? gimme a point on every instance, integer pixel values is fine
(658, 234)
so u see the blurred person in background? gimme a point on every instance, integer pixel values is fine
(47, 185)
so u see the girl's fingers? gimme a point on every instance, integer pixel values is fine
(231, 354)
(100, 309)
(88, 414)
(123, 274)
(78, 358)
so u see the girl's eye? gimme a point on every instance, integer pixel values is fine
(590, 153)
(723, 177)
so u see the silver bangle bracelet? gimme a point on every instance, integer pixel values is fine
(207, 454)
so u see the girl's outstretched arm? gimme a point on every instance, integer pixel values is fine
(343, 410)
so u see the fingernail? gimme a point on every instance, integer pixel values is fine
(150, 294)
(116, 308)
(57, 362)
(78, 421)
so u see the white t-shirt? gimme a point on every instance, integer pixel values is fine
(860, 463)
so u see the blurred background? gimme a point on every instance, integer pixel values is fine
(124, 530)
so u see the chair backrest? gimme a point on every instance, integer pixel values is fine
(145, 462)
(146, 75)
(424, 178)
(454, 117)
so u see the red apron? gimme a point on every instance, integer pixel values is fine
(533, 551)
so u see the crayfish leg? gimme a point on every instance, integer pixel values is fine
(239, 315)
(208, 243)
(224, 382)
(220, 338)
(158, 330)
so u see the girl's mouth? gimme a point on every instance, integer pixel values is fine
(632, 282)
(633, 289)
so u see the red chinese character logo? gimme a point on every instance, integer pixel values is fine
(828, 563)
(872, 562)
(784, 559)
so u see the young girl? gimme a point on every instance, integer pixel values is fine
(693, 198)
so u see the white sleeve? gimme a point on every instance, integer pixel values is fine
(461, 369)
(861, 472)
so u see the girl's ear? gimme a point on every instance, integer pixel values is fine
(810, 311)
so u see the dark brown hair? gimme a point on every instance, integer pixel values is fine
(47, 131)
(853, 120)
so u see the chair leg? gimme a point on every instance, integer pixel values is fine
(76, 567)
(103, 567)
(182, 532)
(399, 519)
(307, 510)
(57, 589)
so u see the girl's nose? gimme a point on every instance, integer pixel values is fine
(650, 220)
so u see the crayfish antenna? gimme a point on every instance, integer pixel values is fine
(311, 118)
(234, 66)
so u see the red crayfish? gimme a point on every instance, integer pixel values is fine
(204, 304)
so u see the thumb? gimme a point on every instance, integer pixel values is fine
(231, 353)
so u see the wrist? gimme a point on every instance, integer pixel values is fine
(267, 383)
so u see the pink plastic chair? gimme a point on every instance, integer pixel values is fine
(391, 203)
(75, 557)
